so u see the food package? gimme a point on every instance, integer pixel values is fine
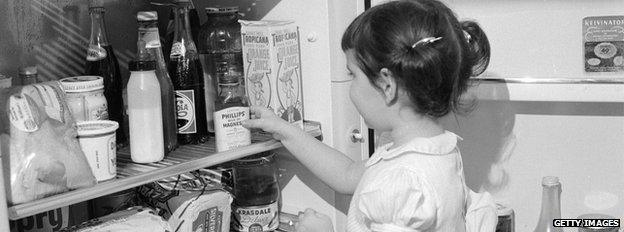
(135, 219)
(272, 58)
(52, 220)
(190, 203)
(41, 155)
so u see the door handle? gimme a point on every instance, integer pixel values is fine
(356, 136)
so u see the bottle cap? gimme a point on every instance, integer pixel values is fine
(142, 65)
(550, 180)
(220, 10)
(29, 70)
(82, 83)
(147, 16)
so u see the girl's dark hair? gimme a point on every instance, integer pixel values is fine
(433, 74)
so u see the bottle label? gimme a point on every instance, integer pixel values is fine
(256, 218)
(150, 37)
(229, 130)
(185, 106)
(177, 50)
(95, 53)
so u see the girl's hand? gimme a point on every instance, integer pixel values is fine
(312, 221)
(266, 120)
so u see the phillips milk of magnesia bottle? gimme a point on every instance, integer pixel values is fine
(148, 33)
(231, 109)
(101, 61)
(145, 112)
(186, 73)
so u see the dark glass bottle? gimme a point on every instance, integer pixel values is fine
(186, 73)
(148, 35)
(101, 61)
(220, 43)
(170, 29)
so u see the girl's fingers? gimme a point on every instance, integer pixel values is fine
(254, 123)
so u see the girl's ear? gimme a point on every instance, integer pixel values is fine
(388, 85)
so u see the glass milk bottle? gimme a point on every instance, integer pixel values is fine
(145, 114)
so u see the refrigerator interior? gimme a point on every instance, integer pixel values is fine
(54, 34)
(518, 133)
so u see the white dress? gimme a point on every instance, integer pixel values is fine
(419, 186)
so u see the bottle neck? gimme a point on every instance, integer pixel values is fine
(148, 34)
(183, 27)
(98, 28)
(551, 204)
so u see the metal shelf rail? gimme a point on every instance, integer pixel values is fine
(185, 158)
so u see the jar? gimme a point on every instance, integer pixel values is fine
(506, 221)
(256, 193)
(85, 97)
(597, 228)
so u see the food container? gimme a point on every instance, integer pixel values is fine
(85, 97)
(97, 140)
(256, 193)
(597, 228)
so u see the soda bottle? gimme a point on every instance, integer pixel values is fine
(101, 61)
(551, 205)
(186, 73)
(170, 29)
(148, 34)
(220, 44)
(231, 109)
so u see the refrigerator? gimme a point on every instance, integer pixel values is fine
(539, 113)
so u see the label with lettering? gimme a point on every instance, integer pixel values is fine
(603, 39)
(53, 220)
(95, 53)
(229, 130)
(177, 50)
(256, 218)
(185, 106)
(210, 219)
(22, 115)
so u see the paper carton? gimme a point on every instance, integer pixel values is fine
(273, 67)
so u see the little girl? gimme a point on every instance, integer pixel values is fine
(410, 61)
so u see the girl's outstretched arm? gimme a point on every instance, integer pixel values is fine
(330, 165)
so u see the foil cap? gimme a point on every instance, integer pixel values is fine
(147, 16)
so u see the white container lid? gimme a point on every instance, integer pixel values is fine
(79, 84)
(96, 128)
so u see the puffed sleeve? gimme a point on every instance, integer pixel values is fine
(398, 200)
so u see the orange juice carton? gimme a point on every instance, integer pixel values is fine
(272, 58)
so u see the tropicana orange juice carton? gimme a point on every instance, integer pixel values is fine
(272, 58)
